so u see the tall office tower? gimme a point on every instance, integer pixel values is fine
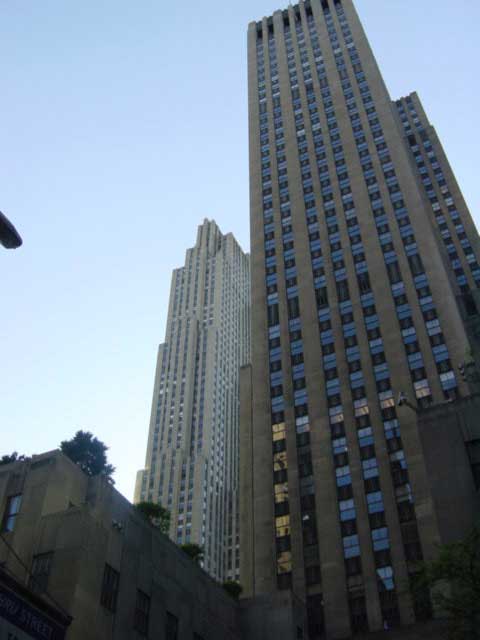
(352, 304)
(192, 455)
(448, 210)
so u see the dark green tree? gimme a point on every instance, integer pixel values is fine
(158, 516)
(456, 567)
(195, 551)
(89, 453)
(234, 589)
(13, 457)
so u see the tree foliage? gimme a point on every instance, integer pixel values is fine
(89, 453)
(12, 457)
(195, 551)
(8, 458)
(457, 567)
(158, 516)
(234, 589)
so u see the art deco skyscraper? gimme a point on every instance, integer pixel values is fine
(192, 456)
(452, 224)
(356, 275)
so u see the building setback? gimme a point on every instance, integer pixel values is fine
(355, 280)
(192, 456)
(451, 220)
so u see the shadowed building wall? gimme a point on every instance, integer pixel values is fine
(75, 543)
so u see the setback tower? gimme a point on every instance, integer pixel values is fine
(191, 464)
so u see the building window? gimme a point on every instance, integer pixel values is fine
(315, 615)
(364, 283)
(284, 581)
(11, 511)
(142, 612)
(322, 298)
(312, 575)
(416, 264)
(111, 580)
(273, 317)
(389, 607)
(41, 567)
(342, 291)
(293, 308)
(358, 614)
(171, 630)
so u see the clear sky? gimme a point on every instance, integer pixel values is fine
(122, 125)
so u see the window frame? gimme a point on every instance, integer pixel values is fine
(171, 626)
(141, 617)
(110, 588)
(40, 572)
(9, 514)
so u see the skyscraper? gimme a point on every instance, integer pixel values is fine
(192, 457)
(452, 223)
(356, 275)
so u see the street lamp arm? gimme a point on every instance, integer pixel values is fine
(9, 236)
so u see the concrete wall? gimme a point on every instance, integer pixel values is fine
(434, 630)
(448, 433)
(86, 523)
(278, 615)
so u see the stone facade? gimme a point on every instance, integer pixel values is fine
(25, 615)
(77, 542)
(353, 303)
(192, 455)
(450, 436)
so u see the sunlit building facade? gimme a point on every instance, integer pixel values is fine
(192, 456)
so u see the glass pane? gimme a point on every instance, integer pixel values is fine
(10, 523)
(15, 502)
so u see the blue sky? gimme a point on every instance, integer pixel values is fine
(123, 125)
